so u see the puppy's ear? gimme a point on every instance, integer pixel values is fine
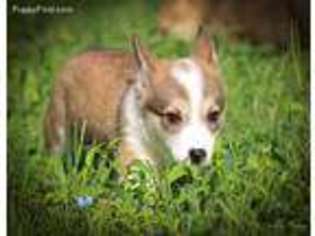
(204, 48)
(145, 65)
(144, 60)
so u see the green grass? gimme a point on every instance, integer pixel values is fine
(258, 181)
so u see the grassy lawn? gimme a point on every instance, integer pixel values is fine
(259, 178)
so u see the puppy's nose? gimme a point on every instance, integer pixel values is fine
(197, 155)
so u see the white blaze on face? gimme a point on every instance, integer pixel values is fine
(195, 133)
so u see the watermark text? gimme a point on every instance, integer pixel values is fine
(41, 9)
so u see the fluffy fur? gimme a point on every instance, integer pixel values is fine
(154, 105)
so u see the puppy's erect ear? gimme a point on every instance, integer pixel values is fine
(145, 66)
(144, 60)
(205, 49)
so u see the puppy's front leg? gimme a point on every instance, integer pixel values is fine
(127, 156)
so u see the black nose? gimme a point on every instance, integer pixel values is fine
(197, 155)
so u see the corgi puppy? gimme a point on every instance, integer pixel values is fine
(154, 105)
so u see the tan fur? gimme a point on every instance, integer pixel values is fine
(127, 156)
(259, 21)
(89, 89)
(92, 89)
(181, 17)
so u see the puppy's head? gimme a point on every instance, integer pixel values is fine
(182, 100)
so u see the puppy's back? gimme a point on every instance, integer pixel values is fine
(89, 89)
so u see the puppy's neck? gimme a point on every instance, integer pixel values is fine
(137, 133)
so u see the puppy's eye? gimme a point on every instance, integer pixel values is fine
(213, 116)
(172, 118)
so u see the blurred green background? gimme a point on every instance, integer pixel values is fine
(259, 178)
